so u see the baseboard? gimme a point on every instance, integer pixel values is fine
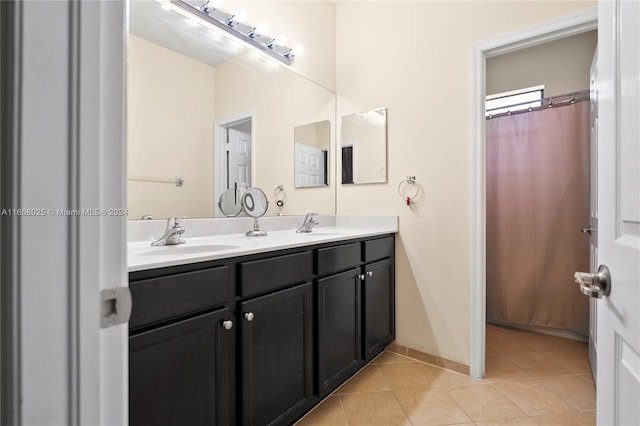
(428, 358)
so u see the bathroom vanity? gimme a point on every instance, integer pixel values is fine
(259, 333)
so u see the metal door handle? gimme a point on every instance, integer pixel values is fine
(594, 285)
(586, 230)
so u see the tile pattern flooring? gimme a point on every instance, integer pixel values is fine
(531, 379)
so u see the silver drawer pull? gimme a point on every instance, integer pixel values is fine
(370, 273)
(249, 316)
(362, 277)
(228, 324)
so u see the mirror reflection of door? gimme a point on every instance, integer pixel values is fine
(311, 154)
(348, 165)
(233, 156)
(238, 152)
(310, 165)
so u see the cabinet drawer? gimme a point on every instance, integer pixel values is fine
(378, 249)
(261, 276)
(171, 296)
(336, 259)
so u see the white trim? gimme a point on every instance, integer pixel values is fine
(516, 92)
(219, 165)
(564, 26)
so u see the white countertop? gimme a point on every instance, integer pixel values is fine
(141, 255)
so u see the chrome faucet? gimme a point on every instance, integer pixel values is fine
(309, 221)
(172, 234)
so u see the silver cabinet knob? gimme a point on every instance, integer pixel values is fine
(249, 316)
(228, 324)
(370, 273)
(594, 285)
(361, 276)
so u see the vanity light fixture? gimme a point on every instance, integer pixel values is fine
(234, 24)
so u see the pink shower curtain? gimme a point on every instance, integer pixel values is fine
(537, 201)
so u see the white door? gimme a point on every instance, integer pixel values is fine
(592, 228)
(239, 156)
(309, 165)
(618, 380)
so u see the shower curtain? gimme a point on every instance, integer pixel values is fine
(537, 201)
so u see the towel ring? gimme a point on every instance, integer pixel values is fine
(404, 189)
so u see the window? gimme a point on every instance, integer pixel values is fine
(516, 100)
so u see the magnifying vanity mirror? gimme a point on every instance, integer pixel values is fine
(364, 147)
(207, 115)
(255, 204)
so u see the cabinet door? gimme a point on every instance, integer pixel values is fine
(277, 338)
(339, 329)
(179, 374)
(379, 307)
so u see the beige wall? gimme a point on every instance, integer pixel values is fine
(309, 23)
(170, 114)
(562, 66)
(415, 59)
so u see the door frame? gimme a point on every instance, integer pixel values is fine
(554, 29)
(219, 166)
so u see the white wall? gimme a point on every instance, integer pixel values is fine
(415, 59)
(170, 115)
(561, 65)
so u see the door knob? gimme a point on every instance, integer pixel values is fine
(228, 324)
(586, 230)
(249, 316)
(594, 285)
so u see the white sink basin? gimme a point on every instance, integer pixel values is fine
(187, 249)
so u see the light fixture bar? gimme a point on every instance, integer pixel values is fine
(283, 54)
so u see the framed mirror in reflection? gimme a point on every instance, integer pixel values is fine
(364, 147)
(208, 109)
(311, 154)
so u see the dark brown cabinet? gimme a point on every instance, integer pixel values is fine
(180, 374)
(356, 308)
(339, 329)
(277, 356)
(259, 339)
(378, 297)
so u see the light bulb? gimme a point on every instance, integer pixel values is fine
(261, 29)
(297, 50)
(210, 6)
(278, 41)
(238, 18)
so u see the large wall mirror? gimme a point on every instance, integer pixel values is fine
(364, 147)
(206, 114)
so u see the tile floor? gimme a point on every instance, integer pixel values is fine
(531, 379)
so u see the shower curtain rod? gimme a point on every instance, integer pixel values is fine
(551, 101)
